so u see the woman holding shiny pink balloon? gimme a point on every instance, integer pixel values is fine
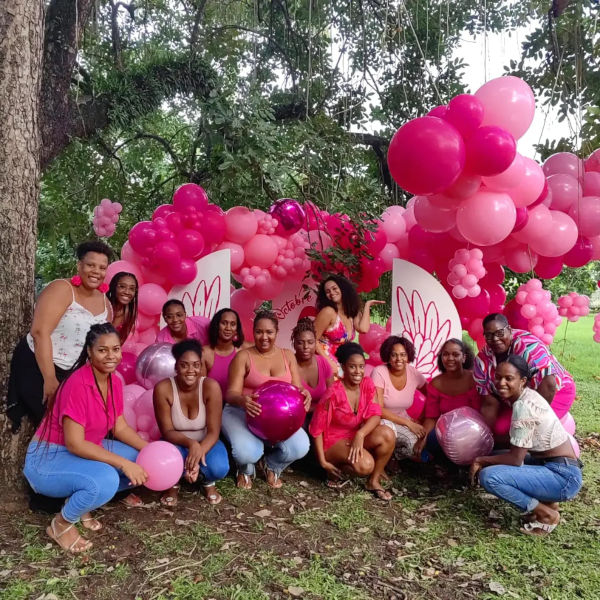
(181, 327)
(250, 369)
(552, 472)
(347, 429)
(188, 411)
(123, 296)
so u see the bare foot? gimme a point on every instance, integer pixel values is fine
(132, 501)
(90, 523)
(211, 494)
(65, 534)
(244, 481)
(273, 480)
(169, 497)
(373, 486)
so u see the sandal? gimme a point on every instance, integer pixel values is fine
(380, 494)
(538, 528)
(91, 523)
(334, 484)
(51, 531)
(243, 481)
(169, 498)
(213, 497)
(273, 480)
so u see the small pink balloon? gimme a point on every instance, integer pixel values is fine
(438, 111)
(236, 254)
(490, 150)
(261, 251)
(528, 311)
(163, 463)
(162, 211)
(564, 162)
(530, 185)
(566, 191)
(189, 196)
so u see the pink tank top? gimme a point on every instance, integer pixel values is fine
(220, 370)
(325, 372)
(195, 429)
(255, 379)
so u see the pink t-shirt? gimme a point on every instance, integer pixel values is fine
(197, 329)
(325, 372)
(79, 399)
(398, 401)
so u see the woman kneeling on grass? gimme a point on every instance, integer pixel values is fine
(69, 455)
(551, 475)
(346, 426)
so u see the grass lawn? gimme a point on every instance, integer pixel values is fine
(438, 539)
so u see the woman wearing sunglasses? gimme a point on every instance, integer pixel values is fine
(551, 380)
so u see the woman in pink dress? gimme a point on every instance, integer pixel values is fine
(123, 296)
(181, 327)
(339, 317)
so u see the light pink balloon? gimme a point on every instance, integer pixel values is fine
(591, 184)
(122, 265)
(409, 215)
(236, 253)
(586, 213)
(388, 254)
(538, 225)
(241, 224)
(466, 185)
(560, 239)
(393, 225)
(486, 218)
(509, 103)
(163, 463)
(531, 184)
(508, 179)
(261, 251)
(433, 218)
(565, 191)
(151, 298)
(521, 259)
(564, 162)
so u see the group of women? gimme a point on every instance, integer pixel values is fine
(63, 376)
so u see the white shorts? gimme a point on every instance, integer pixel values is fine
(405, 438)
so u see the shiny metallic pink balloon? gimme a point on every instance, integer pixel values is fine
(154, 363)
(464, 435)
(282, 411)
(289, 214)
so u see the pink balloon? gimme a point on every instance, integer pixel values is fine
(393, 224)
(595, 241)
(433, 218)
(189, 196)
(261, 251)
(521, 259)
(586, 213)
(426, 155)
(191, 243)
(561, 237)
(236, 254)
(125, 266)
(530, 185)
(127, 367)
(465, 112)
(490, 150)
(142, 236)
(509, 178)
(388, 254)
(162, 211)
(522, 218)
(539, 224)
(565, 191)
(129, 254)
(244, 303)
(151, 298)
(289, 214)
(166, 255)
(282, 411)
(241, 224)
(213, 225)
(486, 218)
(497, 297)
(183, 273)
(163, 463)
(580, 254)
(564, 162)
(438, 111)
(528, 311)
(512, 311)
(415, 410)
(591, 184)
(466, 185)
(148, 336)
(155, 363)
(508, 103)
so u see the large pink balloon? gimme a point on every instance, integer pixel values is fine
(580, 254)
(260, 251)
(191, 243)
(561, 237)
(508, 103)
(426, 155)
(213, 225)
(127, 366)
(190, 196)
(282, 411)
(464, 435)
(465, 112)
(236, 254)
(564, 162)
(123, 266)
(586, 213)
(490, 150)
(486, 218)
(240, 224)
(521, 259)
(163, 463)
(548, 267)
(183, 273)
(155, 363)
(565, 191)
(393, 223)
(530, 185)
(591, 185)
(432, 217)
(539, 223)
(509, 178)
(151, 298)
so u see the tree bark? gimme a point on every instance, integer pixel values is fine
(21, 43)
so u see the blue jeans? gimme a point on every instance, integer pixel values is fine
(528, 485)
(217, 463)
(88, 484)
(247, 449)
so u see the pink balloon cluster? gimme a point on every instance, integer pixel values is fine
(596, 328)
(573, 306)
(537, 307)
(106, 217)
(466, 269)
(138, 410)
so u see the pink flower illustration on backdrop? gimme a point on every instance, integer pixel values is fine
(421, 325)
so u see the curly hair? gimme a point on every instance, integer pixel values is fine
(386, 348)
(350, 299)
(266, 314)
(131, 310)
(304, 324)
(189, 345)
(464, 348)
(98, 247)
(213, 328)
(345, 351)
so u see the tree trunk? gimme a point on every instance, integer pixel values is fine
(21, 43)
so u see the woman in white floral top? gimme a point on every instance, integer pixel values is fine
(552, 473)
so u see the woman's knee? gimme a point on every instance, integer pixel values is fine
(107, 483)
(217, 463)
(365, 465)
(245, 450)
(296, 446)
(488, 478)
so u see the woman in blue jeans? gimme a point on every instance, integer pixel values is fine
(69, 455)
(188, 410)
(248, 371)
(552, 473)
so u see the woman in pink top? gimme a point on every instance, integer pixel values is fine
(346, 426)
(70, 456)
(188, 411)
(396, 382)
(249, 370)
(225, 338)
(315, 371)
(181, 327)
(453, 388)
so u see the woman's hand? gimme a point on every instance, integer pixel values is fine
(134, 473)
(331, 469)
(474, 471)
(307, 399)
(252, 407)
(356, 448)
(196, 455)
(50, 386)
(370, 303)
(420, 446)
(417, 429)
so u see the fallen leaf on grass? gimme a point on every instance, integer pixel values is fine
(497, 588)
(182, 522)
(263, 513)
(304, 484)
(295, 591)
(452, 543)
(363, 530)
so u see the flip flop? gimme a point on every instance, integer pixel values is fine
(538, 528)
(380, 494)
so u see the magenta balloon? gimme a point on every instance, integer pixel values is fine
(466, 185)
(166, 255)
(508, 103)
(191, 243)
(261, 251)
(497, 297)
(438, 111)
(434, 218)
(464, 435)
(490, 150)
(565, 191)
(545, 196)
(190, 196)
(213, 225)
(586, 213)
(162, 211)
(465, 112)
(185, 272)
(512, 311)
(474, 307)
(154, 364)
(282, 411)
(236, 254)
(486, 218)
(564, 162)
(163, 463)
(426, 155)
(561, 237)
(495, 274)
(289, 214)
(522, 218)
(142, 236)
(127, 367)
(151, 298)
(580, 254)
(548, 267)
(241, 224)
(530, 185)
